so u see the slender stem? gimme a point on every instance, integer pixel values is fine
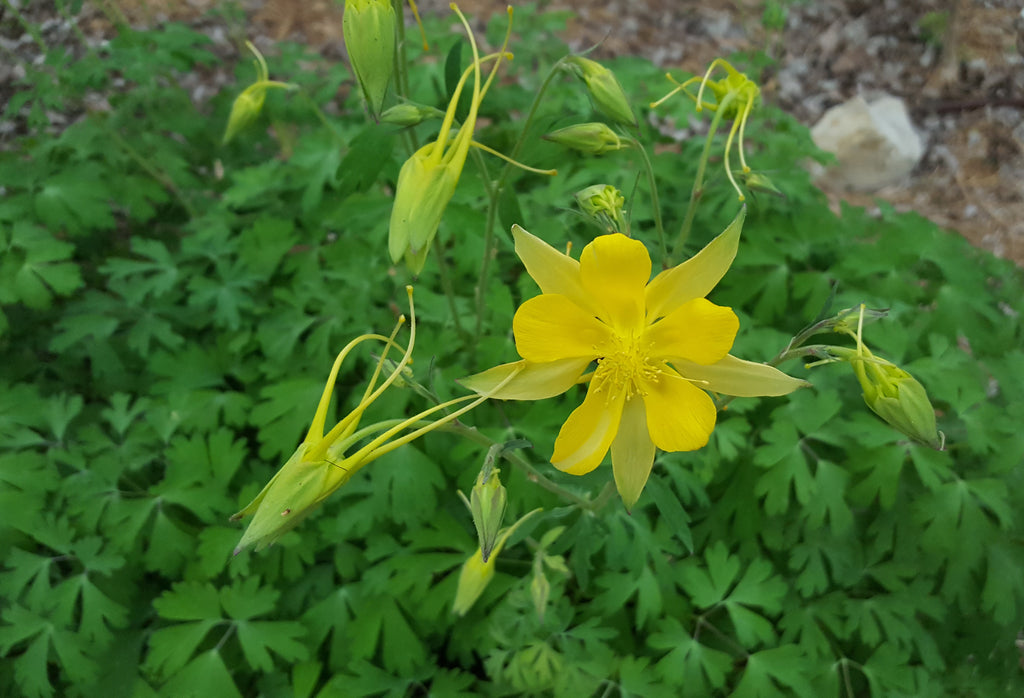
(489, 243)
(446, 284)
(322, 117)
(654, 200)
(494, 191)
(402, 71)
(698, 182)
(517, 460)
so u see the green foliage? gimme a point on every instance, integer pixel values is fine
(169, 309)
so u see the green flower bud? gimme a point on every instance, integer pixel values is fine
(603, 203)
(410, 114)
(898, 398)
(604, 89)
(248, 105)
(473, 579)
(487, 502)
(295, 492)
(592, 138)
(476, 573)
(369, 30)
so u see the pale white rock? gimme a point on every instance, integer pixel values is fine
(875, 144)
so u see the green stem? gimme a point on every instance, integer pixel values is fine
(654, 200)
(402, 71)
(489, 242)
(698, 182)
(517, 460)
(322, 117)
(446, 284)
(490, 239)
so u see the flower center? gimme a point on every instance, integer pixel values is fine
(628, 367)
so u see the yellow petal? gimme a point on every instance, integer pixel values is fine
(733, 376)
(695, 277)
(551, 327)
(534, 382)
(614, 270)
(588, 433)
(553, 271)
(632, 452)
(698, 331)
(680, 417)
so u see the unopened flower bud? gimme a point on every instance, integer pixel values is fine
(593, 138)
(603, 203)
(410, 114)
(487, 502)
(369, 30)
(756, 181)
(477, 573)
(604, 89)
(898, 398)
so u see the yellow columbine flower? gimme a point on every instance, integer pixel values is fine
(427, 180)
(659, 346)
(324, 462)
(735, 95)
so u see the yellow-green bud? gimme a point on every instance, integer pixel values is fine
(369, 30)
(298, 488)
(425, 186)
(898, 398)
(592, 138)
(476, 574)
(473, 579)
(410, 114)
(244, 110)
(487, 502)
(249, 103)
(603, 203)
(604, 89)
(757, 181)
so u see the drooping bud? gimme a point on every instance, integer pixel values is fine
(889, 391)
(248, 105)
(898, 398)
(604, 89)
(369, 30)
(476, 574)
(592, 138)
(488, 501)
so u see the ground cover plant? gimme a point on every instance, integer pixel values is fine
(460, 402)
